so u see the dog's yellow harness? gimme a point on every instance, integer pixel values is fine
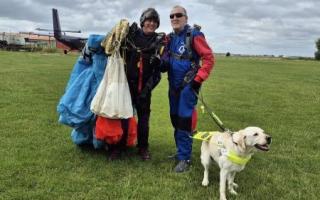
(235, 158)
(231, 155)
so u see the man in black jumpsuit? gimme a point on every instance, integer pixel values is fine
(141, 53)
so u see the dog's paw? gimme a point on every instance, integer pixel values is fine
(233, 192)
(223, 198)
(235, 185)
(205, 183)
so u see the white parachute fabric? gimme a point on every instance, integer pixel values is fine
(113, 99)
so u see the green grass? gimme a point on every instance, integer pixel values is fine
(39, 161)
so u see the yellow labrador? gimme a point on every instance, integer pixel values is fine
(232, 152)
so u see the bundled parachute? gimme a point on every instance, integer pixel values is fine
(97, 95)
(113, 99)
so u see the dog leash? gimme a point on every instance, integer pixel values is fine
(213, 116)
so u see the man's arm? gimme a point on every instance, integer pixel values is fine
(202, 48)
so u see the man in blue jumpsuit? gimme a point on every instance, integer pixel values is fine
(185, 78)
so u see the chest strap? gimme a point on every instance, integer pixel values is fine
(178, 56)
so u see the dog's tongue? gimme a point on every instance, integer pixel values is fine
(262, 147)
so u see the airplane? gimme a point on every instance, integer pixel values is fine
(71, 42)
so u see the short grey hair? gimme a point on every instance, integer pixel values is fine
(184, 10)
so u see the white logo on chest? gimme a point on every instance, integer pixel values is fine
(182, 49)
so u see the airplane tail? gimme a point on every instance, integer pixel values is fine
(56, 23)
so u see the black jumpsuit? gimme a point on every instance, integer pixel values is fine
(142, 77)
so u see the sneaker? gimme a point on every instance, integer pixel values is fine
(144, 153)
(115, 154)
(182, 166)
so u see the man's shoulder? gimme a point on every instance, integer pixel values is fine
(133, 29)
(161, 34)
(195, 30)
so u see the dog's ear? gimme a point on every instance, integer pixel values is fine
(239, 139)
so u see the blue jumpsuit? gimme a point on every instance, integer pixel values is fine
(182, 102)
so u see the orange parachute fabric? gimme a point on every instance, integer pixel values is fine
(111, 131)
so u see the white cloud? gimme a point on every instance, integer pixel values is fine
(286, 27)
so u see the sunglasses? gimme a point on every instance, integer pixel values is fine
(178, 15)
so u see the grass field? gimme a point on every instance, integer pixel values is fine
(39, 161)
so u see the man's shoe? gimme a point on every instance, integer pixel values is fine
(182, 166)
(115, 154)
(144, 153)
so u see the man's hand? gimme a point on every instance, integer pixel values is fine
(195, 85)
(155, 60)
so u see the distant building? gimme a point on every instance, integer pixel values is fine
(12, 39)
(39, 40)
(28, 41)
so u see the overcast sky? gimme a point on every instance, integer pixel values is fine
(273, 27)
